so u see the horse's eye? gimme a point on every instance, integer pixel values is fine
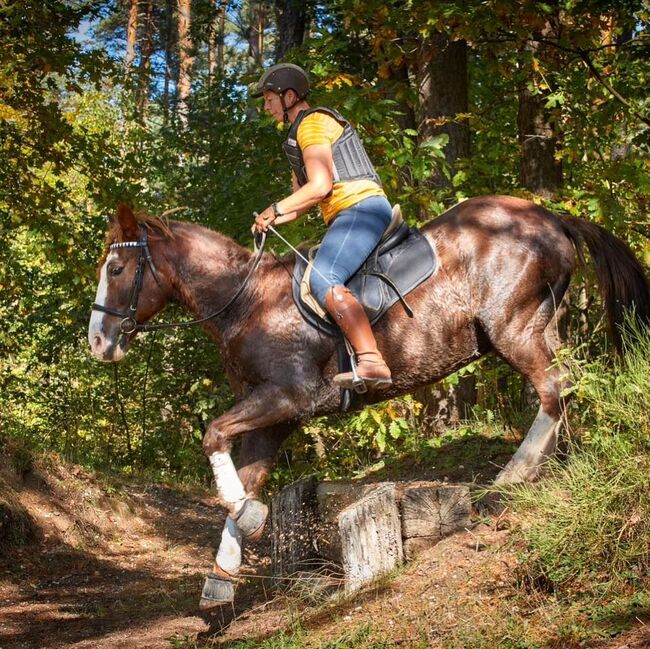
(116, 270)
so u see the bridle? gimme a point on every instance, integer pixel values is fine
(129, 324)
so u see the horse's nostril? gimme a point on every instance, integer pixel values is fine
(97, 344)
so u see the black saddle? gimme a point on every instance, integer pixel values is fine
(400, 263)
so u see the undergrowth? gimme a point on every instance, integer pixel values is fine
(587, 525)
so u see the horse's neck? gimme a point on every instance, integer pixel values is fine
(208, 267)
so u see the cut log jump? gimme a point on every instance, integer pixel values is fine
(361, 530)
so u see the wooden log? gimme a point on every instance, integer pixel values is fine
(371, 537)
(294, 526)
(432, 512)
(333, 497)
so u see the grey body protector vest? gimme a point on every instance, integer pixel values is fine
(351, 162)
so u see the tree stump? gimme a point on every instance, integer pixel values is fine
(333, 498)
(361, 530)
(294, 526)
(431, 512)
(371, 537)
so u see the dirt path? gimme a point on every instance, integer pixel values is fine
(112, 571)
(122, 567)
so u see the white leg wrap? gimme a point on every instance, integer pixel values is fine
(229, 486)
(229, 553)
(538, 445)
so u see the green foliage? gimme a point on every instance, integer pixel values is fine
(74, 145)
(587, 526)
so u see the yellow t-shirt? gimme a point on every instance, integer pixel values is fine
(320, 128)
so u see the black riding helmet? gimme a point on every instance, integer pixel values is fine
(281, 77)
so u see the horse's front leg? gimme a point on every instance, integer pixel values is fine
(257, 417)
(256, 457)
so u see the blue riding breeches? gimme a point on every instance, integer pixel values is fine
(350, 238)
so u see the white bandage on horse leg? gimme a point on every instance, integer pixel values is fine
(229, 486)
(229, 554)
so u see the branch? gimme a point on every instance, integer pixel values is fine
(584, 55)
(588, 62)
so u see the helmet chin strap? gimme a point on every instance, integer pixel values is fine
(286, 109)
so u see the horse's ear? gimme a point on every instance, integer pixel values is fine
(128, 222)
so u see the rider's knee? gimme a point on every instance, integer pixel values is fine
(318, 287)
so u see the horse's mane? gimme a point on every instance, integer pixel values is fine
(154, 224)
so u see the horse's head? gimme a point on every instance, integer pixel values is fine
(130, 291)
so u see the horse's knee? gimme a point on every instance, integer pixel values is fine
(215, 441)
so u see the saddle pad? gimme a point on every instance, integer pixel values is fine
(407, 265)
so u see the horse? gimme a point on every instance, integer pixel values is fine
(504, 264)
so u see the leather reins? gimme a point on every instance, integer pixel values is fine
(129, 324)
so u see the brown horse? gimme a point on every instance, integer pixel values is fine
(503, 267)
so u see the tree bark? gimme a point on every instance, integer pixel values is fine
(442, 82)
(131, 38)
(145, 61)
(216, 42)
(169, 46)
(255, 32)
(539, 170)
(292, 18)
(442, 91)
(186, 59)
(221, 41)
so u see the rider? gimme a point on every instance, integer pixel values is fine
(330, 168)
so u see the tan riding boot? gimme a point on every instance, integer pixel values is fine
(353, 322)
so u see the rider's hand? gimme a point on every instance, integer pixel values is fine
(263, 220)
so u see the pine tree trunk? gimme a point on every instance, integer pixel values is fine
(221, 42)
(131, 38)
(169, 46)
(145, 62)
(186, 59)
(256, 32)
(292, 18)
(216, 42)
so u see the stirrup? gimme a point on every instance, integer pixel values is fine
(354, 381)
(358, 384)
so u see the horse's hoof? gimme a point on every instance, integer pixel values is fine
(216, 592)
(251, 519)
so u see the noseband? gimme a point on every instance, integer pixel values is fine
(129, 324)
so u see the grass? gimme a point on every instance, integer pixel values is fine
(587, 526)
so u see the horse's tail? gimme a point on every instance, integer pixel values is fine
(623, 284)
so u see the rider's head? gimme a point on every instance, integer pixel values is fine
(283, 86)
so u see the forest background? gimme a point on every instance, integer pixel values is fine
(147, 102)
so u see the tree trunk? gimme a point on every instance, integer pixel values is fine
(169, 46)
(441, 77)
(145, 62)
(216, 42)
(539, 170)
(292, 18)
(442, 90)
(221, 41)
(185, 60)
(255, 34)
(131, 38)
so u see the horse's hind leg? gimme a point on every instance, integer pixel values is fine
(528, 344)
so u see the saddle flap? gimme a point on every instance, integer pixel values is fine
(401, 262)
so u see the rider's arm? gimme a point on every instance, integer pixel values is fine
(318, 165)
